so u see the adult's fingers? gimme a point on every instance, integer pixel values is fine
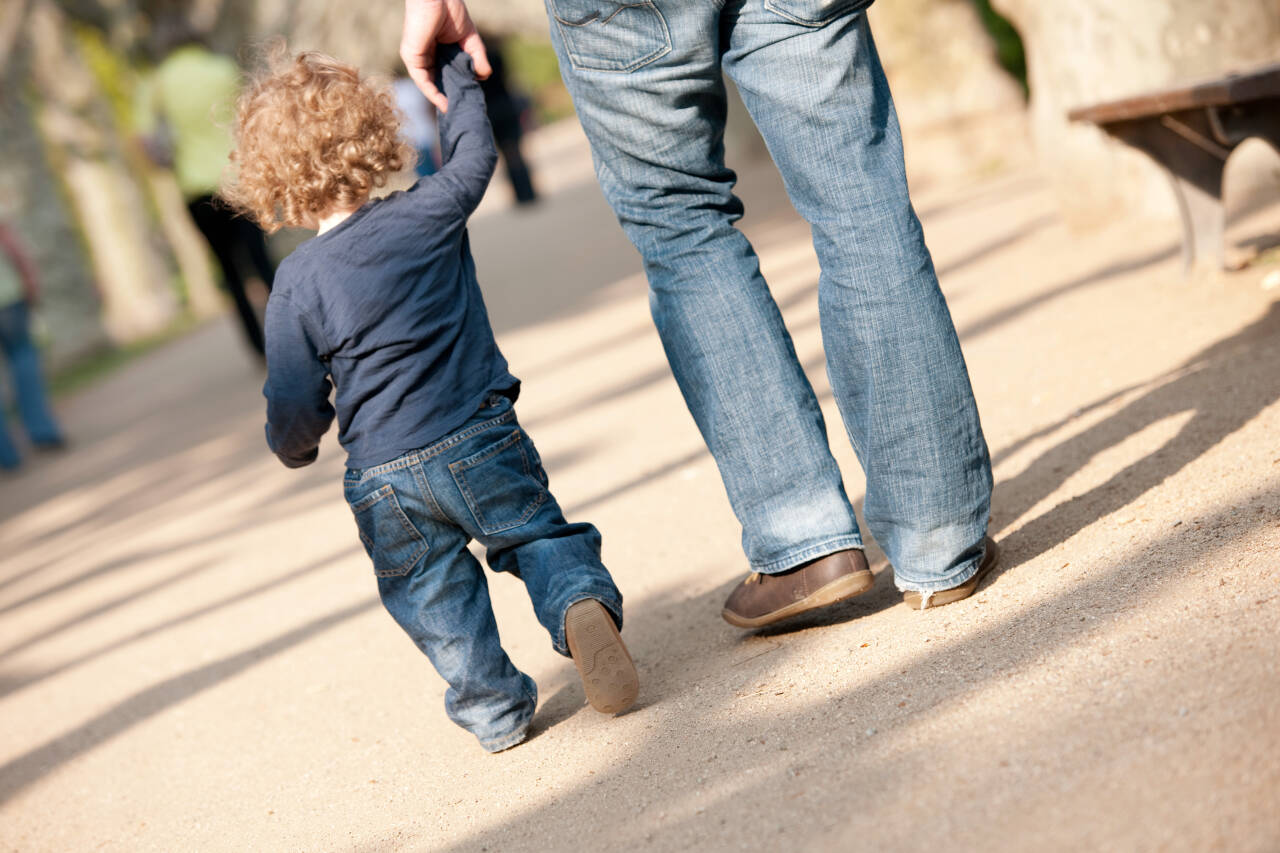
(420, 65)
(474, 47)
(422, 22)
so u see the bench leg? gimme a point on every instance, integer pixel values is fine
(1183, 146)
(1203, 224)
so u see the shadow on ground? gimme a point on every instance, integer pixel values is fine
(1222, 388)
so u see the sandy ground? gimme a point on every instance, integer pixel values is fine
(192, 655)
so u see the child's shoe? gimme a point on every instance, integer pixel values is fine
(608, 675)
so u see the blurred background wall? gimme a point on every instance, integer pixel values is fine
(122, 262)
(1089, 51)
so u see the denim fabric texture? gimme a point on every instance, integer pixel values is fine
(28, 384)
(646, 79)
(417, 513)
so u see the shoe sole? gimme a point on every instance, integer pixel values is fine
(838, 590)
(914, 599)
(608, 674)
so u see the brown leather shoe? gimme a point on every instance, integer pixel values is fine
(608, 676)
(764, 599)
(918, 601)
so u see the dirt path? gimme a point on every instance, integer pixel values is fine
(192, 656)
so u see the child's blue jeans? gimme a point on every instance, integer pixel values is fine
(416, 515)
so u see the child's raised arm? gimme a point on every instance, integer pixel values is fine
(466, 140)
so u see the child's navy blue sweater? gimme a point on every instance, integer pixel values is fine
(386, 307)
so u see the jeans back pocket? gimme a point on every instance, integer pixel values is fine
(392, 541)
(814, 13)
(610, 35)
(501, 484)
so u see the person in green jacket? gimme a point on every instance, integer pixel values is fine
(184, 114)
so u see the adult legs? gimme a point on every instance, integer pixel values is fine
(254, 243)
(28, 383)
(893, 357)
(9, 457)
(217, 223)
(647, 85)
(517, 170)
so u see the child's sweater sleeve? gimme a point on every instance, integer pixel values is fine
(466, 140)
(297, 389)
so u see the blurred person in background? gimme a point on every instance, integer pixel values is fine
(506, 115)
(19, 294)
(184, 113)
(419, 125)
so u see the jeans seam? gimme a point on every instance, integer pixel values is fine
(425, 453)
(959, 579)
(515, 736)
(851, 7)
(844, 542)
(387, 467)
(578, 63)
(421, 549)
(458, 437)
(468, 494)
(428, 496)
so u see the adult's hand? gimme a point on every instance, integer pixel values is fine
(431, 22)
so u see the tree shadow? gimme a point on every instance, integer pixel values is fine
(12, 684)
(1022, 232)
(24, 770)
(947, 674)
(1005, 315)
(1222, 388)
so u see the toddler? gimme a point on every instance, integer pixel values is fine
(383, 306)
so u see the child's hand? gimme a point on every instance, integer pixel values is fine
(428, 23)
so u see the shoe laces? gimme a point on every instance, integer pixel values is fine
(754, 577)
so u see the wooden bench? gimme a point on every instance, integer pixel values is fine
(1190, 132)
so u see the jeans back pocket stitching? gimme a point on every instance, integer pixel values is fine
(846, 8)
(458, 470)
(420, 476)
(595, 16)
(420, 549)
(403, 461)
(456, 438)
(577, 61)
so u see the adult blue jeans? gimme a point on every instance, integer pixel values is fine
(28, 385)
(646, 79)
(416, 515)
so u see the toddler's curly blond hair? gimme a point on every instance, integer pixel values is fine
(311, 136)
